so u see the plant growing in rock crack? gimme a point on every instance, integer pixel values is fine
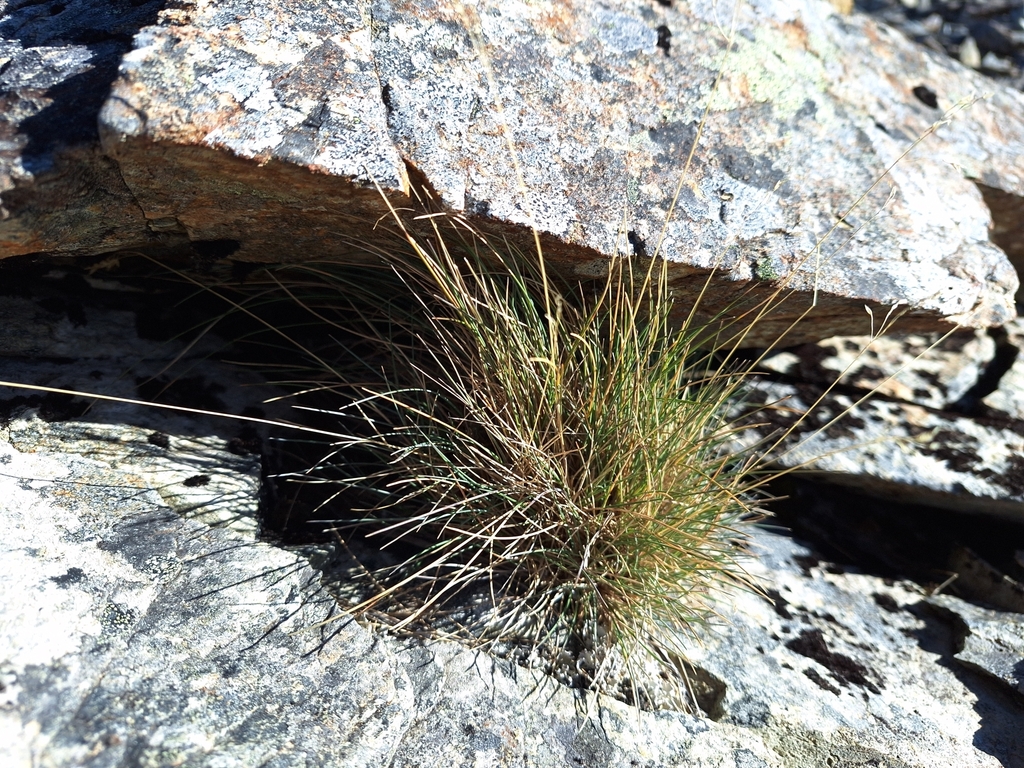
(544, 459)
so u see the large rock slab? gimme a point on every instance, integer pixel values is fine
(143, 623)
(256, 130)
(166, 640)
(928, 419)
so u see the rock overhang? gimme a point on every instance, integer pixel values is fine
(271, 125)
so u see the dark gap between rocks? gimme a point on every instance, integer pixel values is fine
(1007, 230)
(851, 530)
(970, 402)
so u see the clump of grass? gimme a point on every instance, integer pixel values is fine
(553, 452)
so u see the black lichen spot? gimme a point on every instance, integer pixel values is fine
(779, 603)
(196, 481)
(1013, 478)
(926, 96)
(955, 449)
(159, 439)
(811, 643)
(639, 246)
(756, 170)
(806, 562)
(886, 602)
(73, 576)
(846, 426)
(821, 681)
(665, 3)
(872, 373)
(118, 617)
(664, 39)
(385, 96)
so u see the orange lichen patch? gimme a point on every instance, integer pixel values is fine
(796, 33)
(560, 20)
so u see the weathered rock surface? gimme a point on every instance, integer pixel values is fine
(143, 623)
(894, 449)
(936, 372)
(164, 640)
(254, 129)
(985, 641)
(926, 419)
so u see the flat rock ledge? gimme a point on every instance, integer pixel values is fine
(143, 622)
(256, 130)
(922, 419)
(135, 634)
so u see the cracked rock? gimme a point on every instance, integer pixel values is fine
(256, 130)
(989, 641)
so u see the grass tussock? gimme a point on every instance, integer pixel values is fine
(553, 453)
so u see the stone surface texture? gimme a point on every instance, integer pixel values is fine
(256, 130)
(166, 641)
(144, 621)
(892, 448)
(931, 419)
(930, 370)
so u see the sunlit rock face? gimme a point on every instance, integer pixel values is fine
(260, 131)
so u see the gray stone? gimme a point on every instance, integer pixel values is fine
(165, 640)
(134, 636)
(256, 129)
(137, 628)
(898, 450)
(1008, 397)
(986, 640)
(58, 191)
(933, 370)
(835, 667)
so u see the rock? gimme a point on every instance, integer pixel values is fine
(134, 634)
(930, 370)
(140, 624)
(970, 56)
(831, 664)
(58, 190)
(985, 640)
(943, 25)
(927, 419)
(1008, 396)
(893, 449)
(255, 129)
(824, 674)
(986, 582)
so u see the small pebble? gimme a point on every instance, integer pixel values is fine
(970, 56)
